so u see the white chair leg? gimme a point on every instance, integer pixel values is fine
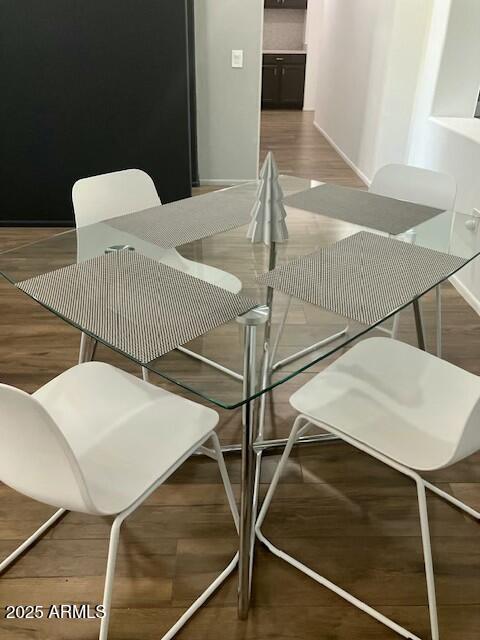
(393, 332)
(438, 329)
(211, 363)
(110, 574)
(225, 479)
(396, 326)
(83, 347)
(457, 503)
(87, 348)
(33, 538)
(279, 334)
(171, 633)
(200, 601)
(297, 426)
(297, 429)
(427, 555)
(303, 352)
(113, 547)
(87, 351)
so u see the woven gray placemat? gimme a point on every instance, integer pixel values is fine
(177, 223)
(137, 305)
(365, 277)
(362, 208)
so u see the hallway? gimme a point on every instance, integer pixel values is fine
(300, 149)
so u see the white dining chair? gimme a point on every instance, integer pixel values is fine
(403, 182)
(421, 186)
(109, 195)
(97, 440)
(402, 406)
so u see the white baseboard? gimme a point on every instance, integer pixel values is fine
(465, 292)
(224, 182)
(343, 155)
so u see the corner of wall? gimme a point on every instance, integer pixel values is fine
(365, 179)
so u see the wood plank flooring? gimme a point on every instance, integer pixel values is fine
(300, 149)
(336, 509)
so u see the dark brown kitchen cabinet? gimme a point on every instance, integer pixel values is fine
(270, 86)
(283, 81)
(286, 4)
(292, 85)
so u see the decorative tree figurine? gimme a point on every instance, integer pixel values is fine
(268, 213)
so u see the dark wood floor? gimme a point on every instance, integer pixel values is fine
(300, 149)
(338, 510)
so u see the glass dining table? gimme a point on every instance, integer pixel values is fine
(287, 329)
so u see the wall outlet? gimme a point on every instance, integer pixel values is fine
(237, 58)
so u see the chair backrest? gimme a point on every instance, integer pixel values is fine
(112, 194)
(455, 421)
(414, 184)
(469, 442)
(35, 457)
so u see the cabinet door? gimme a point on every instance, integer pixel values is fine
(270, 85)
(292, 85)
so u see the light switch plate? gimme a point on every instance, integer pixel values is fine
(237, 58)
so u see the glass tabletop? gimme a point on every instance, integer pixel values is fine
(235, 258)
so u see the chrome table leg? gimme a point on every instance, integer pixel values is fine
(250, 417)
(266, 361)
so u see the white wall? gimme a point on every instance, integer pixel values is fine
(313, 41)
(354, 41)
(398, 82)
(457, 87)
(370, 57)
(449, 88)
(406, 56)
(228, 100)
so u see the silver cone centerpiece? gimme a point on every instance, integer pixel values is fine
(268, 213)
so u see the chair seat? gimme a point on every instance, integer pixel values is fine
(398, 400)
(213, 275)
(125, 433)
(95, 239)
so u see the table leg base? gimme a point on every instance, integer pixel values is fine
(280, 443)
(310, 349)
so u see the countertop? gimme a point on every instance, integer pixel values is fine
(284, 51)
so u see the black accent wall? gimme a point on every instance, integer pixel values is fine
(88, 87)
